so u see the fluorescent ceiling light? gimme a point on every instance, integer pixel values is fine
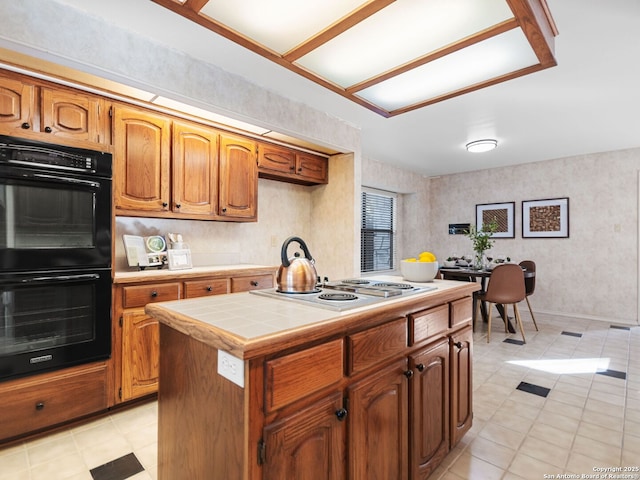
(391, 56)
(479, 146)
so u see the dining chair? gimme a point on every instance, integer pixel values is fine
(529, 284)
(505, 287)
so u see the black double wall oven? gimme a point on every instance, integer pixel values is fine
(55, 256)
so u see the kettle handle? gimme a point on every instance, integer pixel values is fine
(283, 253)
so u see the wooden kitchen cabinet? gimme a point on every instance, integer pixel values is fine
(38, 110)
(309, 443)
(253, 282)
(429, 408)
(276, 159)
(205, 288)
(312, 168)
(238, 178)
(172, 168)
(76, 115)
(138, 334)
(140, 355)
(378, 424)
(461, 347)
(40, 401)
(195, 170)
(142, 161)
(17, 105)
(281, 163)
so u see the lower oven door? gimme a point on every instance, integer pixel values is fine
(54, 319)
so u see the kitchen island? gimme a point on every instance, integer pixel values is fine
(259, 388)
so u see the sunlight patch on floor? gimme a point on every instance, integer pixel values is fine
(566, 365)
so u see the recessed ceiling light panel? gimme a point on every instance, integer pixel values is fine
(492, 58)
(390, 56)
(279, 25)
(401, 33)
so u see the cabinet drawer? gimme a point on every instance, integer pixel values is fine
(28, 405)
(428, 323)
(376, 344)
(140, 295)
(461, 312)
(204, 288)
(293, 376)
(256, 282)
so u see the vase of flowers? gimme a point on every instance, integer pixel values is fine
(482, 242)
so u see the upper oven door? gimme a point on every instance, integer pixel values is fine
(51, 219)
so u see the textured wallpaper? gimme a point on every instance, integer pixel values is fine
(594, 272)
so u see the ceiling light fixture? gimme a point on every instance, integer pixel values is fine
(388, 56)
(479, 146)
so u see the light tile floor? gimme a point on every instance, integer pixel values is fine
(587, 421)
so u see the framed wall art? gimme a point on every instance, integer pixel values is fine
(501, 213)
(547, 218)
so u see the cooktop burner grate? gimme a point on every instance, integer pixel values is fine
(315, 290)
(401, 286)
(337, 296)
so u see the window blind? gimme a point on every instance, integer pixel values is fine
(377, 250)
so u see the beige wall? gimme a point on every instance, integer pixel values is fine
(594, 272)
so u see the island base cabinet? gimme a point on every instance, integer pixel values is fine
(461, 387)
(378, 422)
(309, 445)
(200, 414)
(429, 407)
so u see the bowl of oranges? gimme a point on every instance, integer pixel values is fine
(422, 268)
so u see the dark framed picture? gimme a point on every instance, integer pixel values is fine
(548, 218)
(501, 213)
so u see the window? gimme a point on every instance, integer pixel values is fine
(377, 250)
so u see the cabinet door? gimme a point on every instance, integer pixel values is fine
(140, 354)
(238, 178)
(142, 158)
(312, 167)
(72, 115)
(461, 387)
(276, 159)
(378, 425)
(308, 445)
(195, 169)
(429, 409)
(17, 100)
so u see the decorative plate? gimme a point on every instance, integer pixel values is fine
(156, 244)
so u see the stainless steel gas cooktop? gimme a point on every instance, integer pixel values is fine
(347, 294)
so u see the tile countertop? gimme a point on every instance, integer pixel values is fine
(247, 325)
(166, 274)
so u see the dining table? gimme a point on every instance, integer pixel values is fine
(470, 274)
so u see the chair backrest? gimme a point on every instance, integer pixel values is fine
(530, 277)
(506, 284)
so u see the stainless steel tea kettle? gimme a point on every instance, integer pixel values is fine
(296, 274)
